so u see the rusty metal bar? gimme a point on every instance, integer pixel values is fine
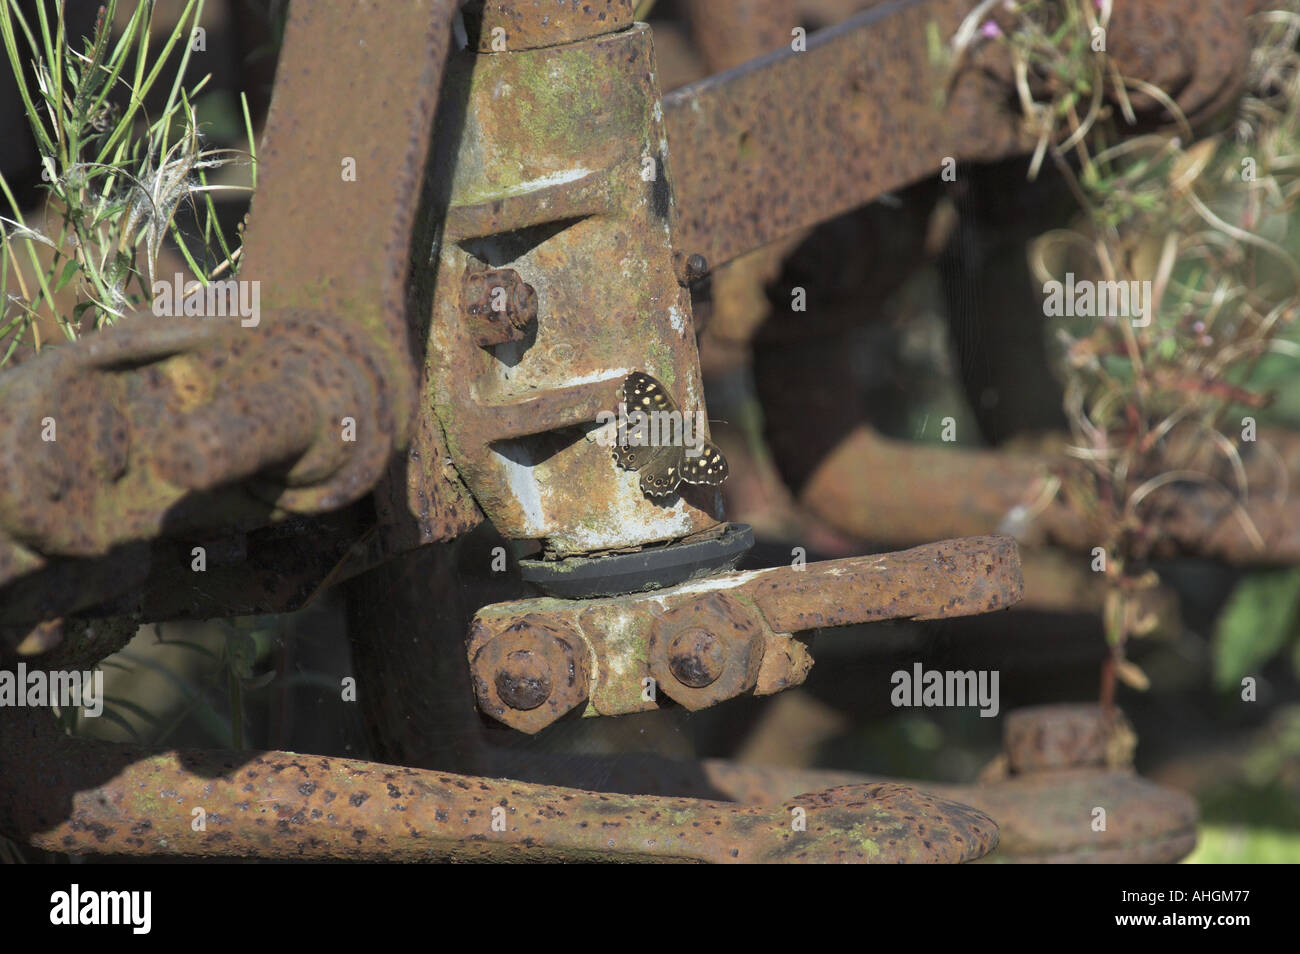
(82, 797)
(701, 643)
(864, 111)
(855, 114)
(928, 491)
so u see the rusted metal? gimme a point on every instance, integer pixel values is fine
(1043, 738)
(562, 175)
(633, 639)
(502, 26)
(856, 113)
(531, 673)
(707, 650)
(300, 413)
(497, 304)
(423, 498)
(101, 798)
(931, 491)
(1073, 759)
(1042, 818)
(865, 110)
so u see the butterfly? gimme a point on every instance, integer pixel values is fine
(664, 466)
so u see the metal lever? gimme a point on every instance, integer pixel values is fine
(699, 643)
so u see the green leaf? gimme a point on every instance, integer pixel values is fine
(69, 272)
(1255, 624)
(79, 310)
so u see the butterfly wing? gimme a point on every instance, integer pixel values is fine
(710, 467)
(644, 393)
(663, 467)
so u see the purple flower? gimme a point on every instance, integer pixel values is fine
(990, 29)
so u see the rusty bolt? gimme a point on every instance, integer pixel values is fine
(524, 680)
(696, 658)
(497, 304)
(706, 651)
(1044, 738)
(530, 672)
(689, 268)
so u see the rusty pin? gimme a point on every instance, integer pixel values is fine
(530, 672)
(497, 304)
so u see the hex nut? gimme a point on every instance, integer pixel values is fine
(532, 672)
(706, 651)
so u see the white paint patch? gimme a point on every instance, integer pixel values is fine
(635, 519)
(523, 486)
(594, 377)
(620, 635)
(730, 581)
(536, 185)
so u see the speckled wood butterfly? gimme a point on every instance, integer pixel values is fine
(664, 466)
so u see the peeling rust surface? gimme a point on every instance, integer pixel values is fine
(101, 798)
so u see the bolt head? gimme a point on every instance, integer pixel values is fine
(524, 680)
(706, 649)
(697, 658)
(527, 670)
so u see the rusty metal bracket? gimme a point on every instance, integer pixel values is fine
(561, 177)
(700, 643)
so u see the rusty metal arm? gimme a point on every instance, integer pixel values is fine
(83, 797)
